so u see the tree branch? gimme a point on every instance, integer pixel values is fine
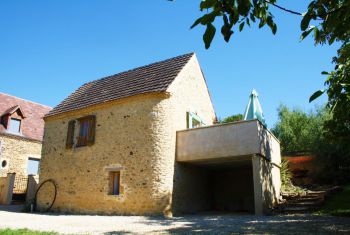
(284, 9)
(300, 14)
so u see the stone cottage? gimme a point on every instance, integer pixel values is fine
(21, 132)
(145, 141)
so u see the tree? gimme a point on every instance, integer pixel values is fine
(332, 19)
(232, 118)
(300, 131)
(333, 24)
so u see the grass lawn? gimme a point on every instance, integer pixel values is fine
(338, 204)
(23, 232)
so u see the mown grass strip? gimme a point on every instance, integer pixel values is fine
(24, 232)
(339, 204)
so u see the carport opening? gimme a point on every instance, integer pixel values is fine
(216, 188)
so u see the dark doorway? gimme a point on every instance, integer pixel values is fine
(220, 188)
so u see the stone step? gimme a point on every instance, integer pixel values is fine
(309, 199)
(298, 203)
(301, 203)
(299, 209)
(317, 193)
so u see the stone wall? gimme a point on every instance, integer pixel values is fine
(136, 135)
(125, 140)
(16, 151)
(6, 188)
(3, 189)
(189, 92)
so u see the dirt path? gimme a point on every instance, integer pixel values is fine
(203, 224)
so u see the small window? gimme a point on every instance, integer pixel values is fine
(193, 120)
(3, 163)
(33, 166)
(114, 183)
(86, 131)
(15, 125)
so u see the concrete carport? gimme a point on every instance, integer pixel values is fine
(227, 167)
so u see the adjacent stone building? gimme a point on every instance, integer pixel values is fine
(114, 146)
(21, 132)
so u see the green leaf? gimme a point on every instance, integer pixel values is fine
(248, 22)
(209, 35)
(226, 29)
(325, 73)
(316, 34)
(226, 32)
(197, 22)
(274, 28)
(234, 16)
(271, 24)
(305, 22)
(252, 17)
(241, 26)
(262, 23)
(306, 33)
(205, 4)
(316, 95)
(243, 7)
(209, 18)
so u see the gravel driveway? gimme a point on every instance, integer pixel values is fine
(202, 224)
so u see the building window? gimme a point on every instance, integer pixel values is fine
(86, 131)
(86, 134)
(193, 120)
(33, 166)
(114, 183)
(15, 125)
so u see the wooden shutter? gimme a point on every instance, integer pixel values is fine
(187, 120)
(92, 128)
(70, 134)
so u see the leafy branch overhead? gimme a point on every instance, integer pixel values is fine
(327, 20)
(233, 12)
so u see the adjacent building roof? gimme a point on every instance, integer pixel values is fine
(12, 110)
(151, 78)
(32, 126)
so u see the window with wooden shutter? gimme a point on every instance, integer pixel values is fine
(87, 127)
(70, 134)
(92, 127)
(114, 183)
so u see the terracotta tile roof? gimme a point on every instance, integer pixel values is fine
(32, 125)
(154, 77)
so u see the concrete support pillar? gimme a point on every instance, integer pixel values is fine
(257, 179)
(6, 194)
(31, 188)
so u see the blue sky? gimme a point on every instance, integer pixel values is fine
(49, 48)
